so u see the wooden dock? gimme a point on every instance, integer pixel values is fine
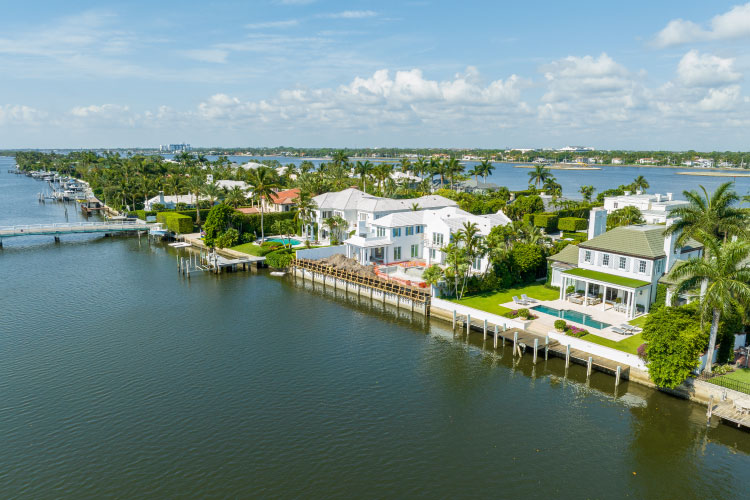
(726, 411)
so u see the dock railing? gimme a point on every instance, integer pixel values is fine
(728, 383)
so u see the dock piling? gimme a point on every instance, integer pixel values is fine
(567, 356)
(588, 367)
(484, 336)
(515, 342)
(495, 336)
(454, 319)
(468, 324)
(536, 347)
(617, 376)
(546, 347)
(710, 410)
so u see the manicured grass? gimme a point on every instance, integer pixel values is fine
(741, 375)
(251, 248)
(605, 277)
(640, 321)
(629, 344)
(490, 301)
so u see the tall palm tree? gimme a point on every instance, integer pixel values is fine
(640, 184)
(726, 275)
(437, 167)
(305, 209)
(587, 192)
(236, 197)
(625, 216)
(487, 169)
(714, 215)
(476, 171)
(454, 168)
(195, 185)
(263, 184)
(405, 165)
(539, 175)
(213, 192)
(383, 172)
(340, 158)
(420, 167)
(363, 169)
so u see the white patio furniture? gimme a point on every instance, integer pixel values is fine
(527, 298)
(516, 300)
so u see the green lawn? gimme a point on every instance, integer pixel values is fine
(629, 344)
(741, 375)
(639, 321)
(490, 301)
(251, 248)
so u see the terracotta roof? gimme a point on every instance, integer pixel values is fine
(287, 197)
(248, 210)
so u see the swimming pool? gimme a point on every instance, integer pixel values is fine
(574, 316)
(285, 240)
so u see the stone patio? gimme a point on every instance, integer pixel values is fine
(608, 315)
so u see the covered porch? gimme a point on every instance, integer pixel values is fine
(368, 250)
(593, 289)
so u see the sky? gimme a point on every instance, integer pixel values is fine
(424, 73)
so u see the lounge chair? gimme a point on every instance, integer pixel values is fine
(516, 300)
(527, 298)
(619, 330)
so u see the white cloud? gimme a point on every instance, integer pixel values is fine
(19, 114)
(351, 14)
(273, 24)
(733, 24)
(723, 99)
(217, 56)
(105, 110)
(706, 70)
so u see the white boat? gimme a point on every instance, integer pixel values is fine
(278, 273)
(180, 244)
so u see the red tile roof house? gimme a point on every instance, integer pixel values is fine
(282, 201)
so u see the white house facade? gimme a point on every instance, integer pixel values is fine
(655, 208)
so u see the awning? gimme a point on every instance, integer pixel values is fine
(609, 279)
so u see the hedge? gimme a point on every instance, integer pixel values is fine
(142, 214)
(175, 222)
(546, 221)
(280, 259)
(528, 219)
(572, 224)
(250, 223)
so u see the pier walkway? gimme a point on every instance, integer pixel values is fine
(59, 229)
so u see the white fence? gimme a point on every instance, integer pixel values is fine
(599, 350)
(475, 314)
(320, 253)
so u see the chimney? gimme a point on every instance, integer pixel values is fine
(669, 196)
(658, 197)
(669, 248)
(161, 197)
(597, 222)
(627, 193)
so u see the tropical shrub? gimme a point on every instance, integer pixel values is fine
(527, 261)
(528, 219)
(272, 245)
(524, 313)
(575, 331)
(159, 207)
(514, 314)
(572, 224)
(560, 324)
(217, 222)
(227, 239)
(280, 259)
(642, 352)
(250, 223)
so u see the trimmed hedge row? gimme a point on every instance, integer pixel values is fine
(280, 259)
(250, 223)
(175, 222)
(548, 222)
(528, 219)
(572, 224)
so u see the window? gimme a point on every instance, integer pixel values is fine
(605, 259)
(418, 229)
(409, 230)
(437, 239)
(396, 253)
(433, 252)
(642, 266)
(362, 216)
(587, 256)
(615, 204)
(326, 215)
(381, 232)
(396, 232)
(415, 250)
(477, 264)
(623, 262)
(658, 266)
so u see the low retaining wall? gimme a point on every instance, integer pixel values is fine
(447, 307)
(599, 350)
(320, 253)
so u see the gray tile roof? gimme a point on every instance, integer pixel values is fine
(568, 255)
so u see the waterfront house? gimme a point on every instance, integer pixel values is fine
(170, 202)
(655, 208)
(281, 201)
(618, 269)
(359, 209)
(417, 235)
(476, 187)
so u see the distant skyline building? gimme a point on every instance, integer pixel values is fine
(174, 148)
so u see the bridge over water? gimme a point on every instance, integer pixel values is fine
(59, 229)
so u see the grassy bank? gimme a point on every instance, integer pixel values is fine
(490, 301)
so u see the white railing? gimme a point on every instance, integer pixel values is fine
(599, 350)
(72, 226)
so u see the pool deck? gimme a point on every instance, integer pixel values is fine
(609, 316)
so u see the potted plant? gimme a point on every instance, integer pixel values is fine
(560, 325)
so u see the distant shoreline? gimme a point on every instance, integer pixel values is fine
(716, 174)
(559, 167)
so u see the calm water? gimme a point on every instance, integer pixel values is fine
(119, 378)
(661, 180)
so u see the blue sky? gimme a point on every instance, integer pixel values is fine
(640, 75)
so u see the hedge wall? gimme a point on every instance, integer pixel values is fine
(142, 214)
(546, 221)
(572, 223)
(280, 259)
(249, 223)
(175, 222)
(528, 219)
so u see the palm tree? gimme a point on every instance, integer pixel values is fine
(476, 171)
(587, 192)
(195, 185)
(263, 184)
(726, 274)
(340, 158)
(454, 168)
(383, 172)
(552, 187)
(405, 165)
(236, 197)
(420, 167)
(305, 208)
(539, 175)
(625, 216)
(713, 215)
(213, 192)
(437, 167)
(640, 184)
(487, 169)
(363, 168)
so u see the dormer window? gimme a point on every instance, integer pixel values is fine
(587, 256)
(605, 259)
(642, 266)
